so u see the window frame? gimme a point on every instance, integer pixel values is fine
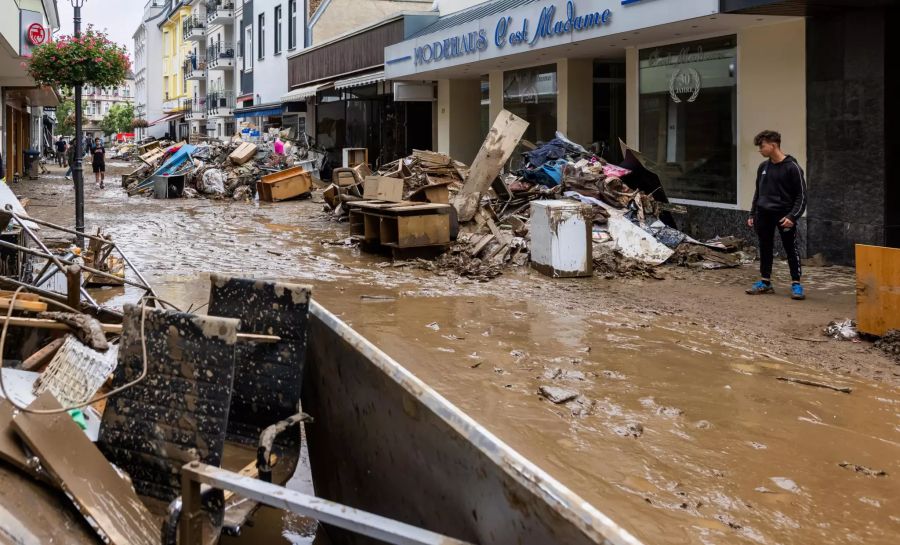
(261, 36)
(277, 19)
(292, 25)
(249, 53)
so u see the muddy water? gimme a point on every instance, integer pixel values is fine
(681, 433)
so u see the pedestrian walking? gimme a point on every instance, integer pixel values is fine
(61, 151)
(778, 204)
(70, 159)
(98, 162)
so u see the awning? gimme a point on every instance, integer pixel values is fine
(258, 111)
(303, 93)
(167, 118)
(358, 81)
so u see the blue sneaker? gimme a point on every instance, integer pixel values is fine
(761, 288)
(797, 292)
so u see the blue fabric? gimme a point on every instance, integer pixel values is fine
(549, 174)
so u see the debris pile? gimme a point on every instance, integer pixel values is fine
(215, 170)
(624, 207)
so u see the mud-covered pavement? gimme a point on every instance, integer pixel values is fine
(682, 431)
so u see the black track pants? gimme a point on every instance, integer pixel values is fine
(766, 224)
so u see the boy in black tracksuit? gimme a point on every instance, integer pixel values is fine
(779, 202)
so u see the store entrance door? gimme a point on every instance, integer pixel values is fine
(609, 108)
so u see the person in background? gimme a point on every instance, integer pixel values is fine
(61, 151)
(778, 203)
(98, 161)
(70, 159)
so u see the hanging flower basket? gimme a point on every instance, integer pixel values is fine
(90, 59)
(139, 123)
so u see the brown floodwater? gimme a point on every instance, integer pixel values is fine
(681, 433)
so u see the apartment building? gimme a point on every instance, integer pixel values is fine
(221, 60)
(99, 100)
(148, 71)
(279, 32)
(175, 51)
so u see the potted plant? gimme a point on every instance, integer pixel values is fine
(91, 59)
(138, 123)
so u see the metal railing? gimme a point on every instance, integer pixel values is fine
(193, 25)
(216, 9)
(220, 103)
(194, 108)
(194, 66)
(220, 54)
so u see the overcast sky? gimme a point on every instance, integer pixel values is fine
(118, 18)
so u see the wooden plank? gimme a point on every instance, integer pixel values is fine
(40, 323)
(30, 306)
(11, 450)
(877, 289)
(420, 207)
(105, 499)
(23, 295)
(42, 357)
(496, 150)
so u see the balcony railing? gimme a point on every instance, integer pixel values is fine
(194, 28)
(194, 67)
(220, 103)
(194, 109)
(219, 12)
(220, 55)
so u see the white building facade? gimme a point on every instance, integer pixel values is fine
(147, 67)
(276, 30)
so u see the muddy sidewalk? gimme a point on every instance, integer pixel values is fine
(672, 419)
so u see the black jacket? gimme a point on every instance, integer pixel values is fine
(780, 189)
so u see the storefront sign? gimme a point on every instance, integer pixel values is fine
(37, 34)
(508, 32)
(31, 31)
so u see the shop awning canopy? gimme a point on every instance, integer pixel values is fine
(263, 110)
(169, 117)
(303, 93)
(358, 81)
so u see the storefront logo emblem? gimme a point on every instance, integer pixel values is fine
(684, 81)
(37, 34)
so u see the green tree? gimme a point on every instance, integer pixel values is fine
(118, 119)
(65, 114)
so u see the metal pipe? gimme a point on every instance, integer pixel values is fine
(354, 520)
(42, 223)
(91, 270)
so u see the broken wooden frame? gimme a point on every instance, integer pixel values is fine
(55, 264)
(360, 522)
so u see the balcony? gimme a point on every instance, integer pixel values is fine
(194, 109)
(220, 12)
(194, 29)
(220, 56)
(194, 68)
(220, 104)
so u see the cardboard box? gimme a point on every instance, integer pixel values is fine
(380, 188)
(243, 153)
(284, 185)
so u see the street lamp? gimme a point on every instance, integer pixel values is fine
(78, 167)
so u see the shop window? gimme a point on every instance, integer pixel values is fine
(688, 118)
(531, 95)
